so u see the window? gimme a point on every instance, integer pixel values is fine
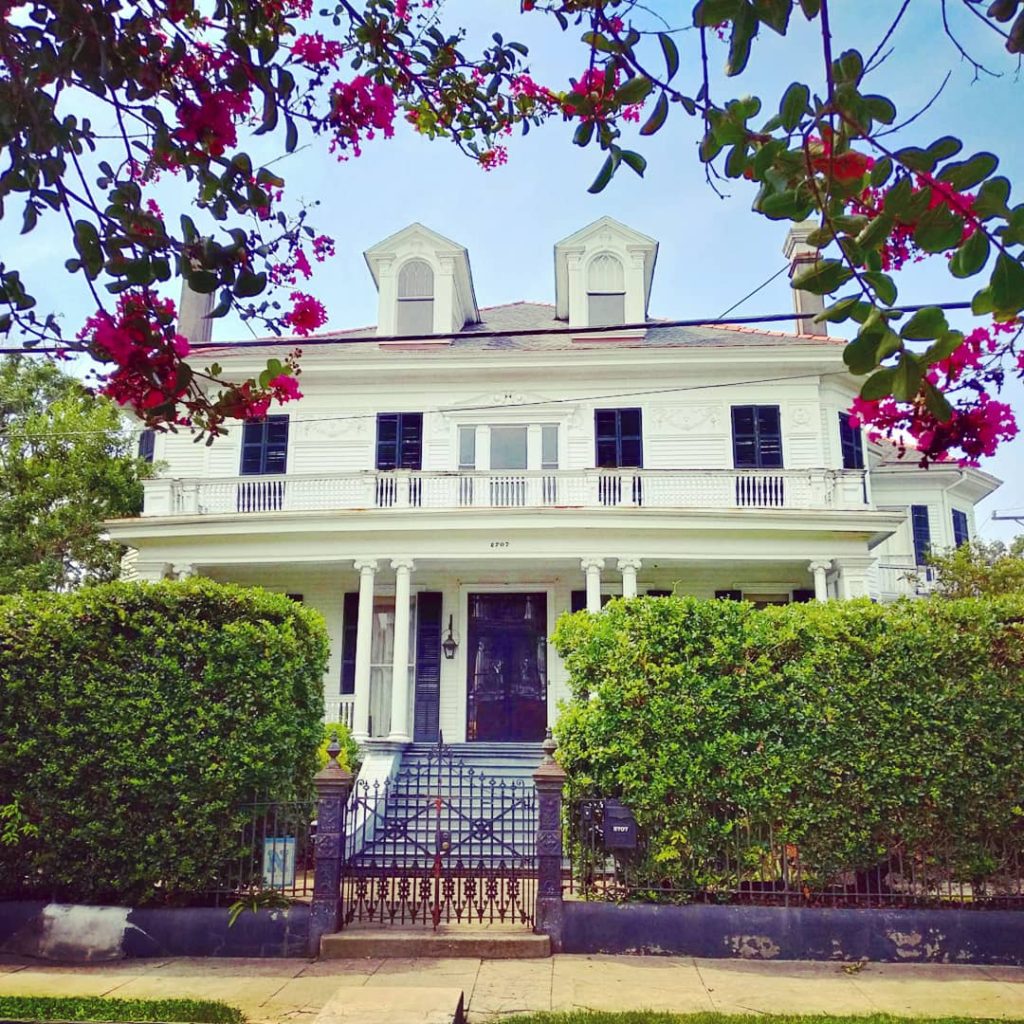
(922, 532)
(606, 292)
(961, 533)
(619, 438)
(851, 444)
(549, 446)
(467, 447)
(147, 443)
(415, 298)
(399, 440)
(265, 446)
(756, 437)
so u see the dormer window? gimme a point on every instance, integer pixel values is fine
(415, 314)
(606, 292)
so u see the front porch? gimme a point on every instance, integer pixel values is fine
(421, 646)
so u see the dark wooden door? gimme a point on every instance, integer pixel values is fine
(507, 668)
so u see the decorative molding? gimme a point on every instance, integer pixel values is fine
(689, 418)
(358, 426)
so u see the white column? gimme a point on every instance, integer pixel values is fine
(853, 576)
(367, 568)
(819, 570)
(629, 568)
(400, 666)
(592, 567)
(152, 572)
(184, 570)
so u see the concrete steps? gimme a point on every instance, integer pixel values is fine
(452, 941)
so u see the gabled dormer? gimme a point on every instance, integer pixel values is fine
(424, 283)
(603, 275)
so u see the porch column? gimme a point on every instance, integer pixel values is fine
(184, 570)
(629, 568)
(366, 568)
(853, 575)
(819, 570)
(592, 567)
(400, 667)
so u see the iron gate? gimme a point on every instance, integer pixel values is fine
(441, 843)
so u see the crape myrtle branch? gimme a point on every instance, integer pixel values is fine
(183, 79)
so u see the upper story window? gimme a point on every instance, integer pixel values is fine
(961, 530)
(147, 444)
(606, 292)
(851, 443)
(415, 313)
(508, 446)
(618, 434)
(265, 446)
(756, 437)
(400, 440)
(922, 532)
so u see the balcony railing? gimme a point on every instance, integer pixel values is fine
(592, 488)
(903, 578)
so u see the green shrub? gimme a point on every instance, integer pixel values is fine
(349, 756)
(137, 719)
(852, 730)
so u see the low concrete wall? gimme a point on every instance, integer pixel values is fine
(71, 932)
(797, 933)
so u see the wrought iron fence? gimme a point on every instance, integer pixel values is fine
(759, 865)
(275, 846)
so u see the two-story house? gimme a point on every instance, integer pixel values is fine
(458, 476)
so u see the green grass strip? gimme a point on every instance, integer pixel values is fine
(658, 1017)
(198, 1011)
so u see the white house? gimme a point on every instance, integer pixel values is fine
(459, 476)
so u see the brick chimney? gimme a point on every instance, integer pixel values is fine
(194, 314)
(801, 256)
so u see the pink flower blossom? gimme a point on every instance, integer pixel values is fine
(285, 388)
(359, 109)
(314, 50)
(306, 314)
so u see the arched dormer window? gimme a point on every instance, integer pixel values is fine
(606, 292)
(415, 298)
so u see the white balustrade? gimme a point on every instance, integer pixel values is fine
(340, 709)
(585, 488)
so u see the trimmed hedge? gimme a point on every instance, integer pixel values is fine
(137, 719)
(850, 729)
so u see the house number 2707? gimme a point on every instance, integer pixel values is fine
(499, 543)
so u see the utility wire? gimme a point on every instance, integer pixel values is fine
(750, 295)
(518, 332)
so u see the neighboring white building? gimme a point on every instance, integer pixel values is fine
(459, 477)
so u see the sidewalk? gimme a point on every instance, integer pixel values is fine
(287, 990)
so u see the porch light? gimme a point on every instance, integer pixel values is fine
(449, 645)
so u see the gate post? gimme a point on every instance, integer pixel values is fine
(549, 779)
(333, 785)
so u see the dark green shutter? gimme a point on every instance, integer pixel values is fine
(349, 629)
(802, 596)
(427, 716)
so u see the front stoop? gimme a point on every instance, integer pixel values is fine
(406, 943)
(382, 1005)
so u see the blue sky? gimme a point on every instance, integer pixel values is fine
(713, 251)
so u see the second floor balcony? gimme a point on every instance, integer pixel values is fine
(374, 491)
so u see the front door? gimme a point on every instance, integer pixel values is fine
(507, 667)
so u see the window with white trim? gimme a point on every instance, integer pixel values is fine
(415, 298)
(606, 291)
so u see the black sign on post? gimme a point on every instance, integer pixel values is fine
(619, 826)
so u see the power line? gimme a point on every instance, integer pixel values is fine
(750, 295)
(518, 332)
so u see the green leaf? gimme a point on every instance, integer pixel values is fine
(30, 218)
(584, 133)
(916, 159)
(811, 8)
(971, 256)
(774, 13)
(822, 278)
(882, 284)
(880, 108)
(947, 344)
(87, 242)
(605, 174)
(936, 402)
(838, 312)
(982, 301)
(925, 324)
(906, 381)
(736, 162)
(944, 148)
(657, 118)
(671, 52)
(634, 161)
(992, 199)
(249, 284)
(878, 385)
(634, 90)
(794, 105)
(938, 230)
(965, 174)
(788, 205)
(744, 28)
(876, 232)
(881, 172)
(862, 354)
(897, 199)
(714, 12)
(1007, 285)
